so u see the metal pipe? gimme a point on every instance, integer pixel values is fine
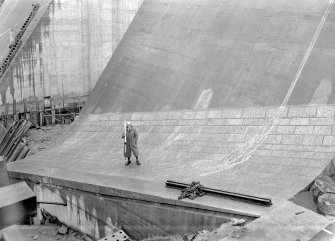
(245, 197)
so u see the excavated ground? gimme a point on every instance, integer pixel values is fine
(39, 139)
(39, 233)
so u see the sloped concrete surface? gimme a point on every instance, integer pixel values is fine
(243, 150)
(219, 54)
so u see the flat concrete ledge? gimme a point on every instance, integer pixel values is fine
(129, 188)
(16, 202)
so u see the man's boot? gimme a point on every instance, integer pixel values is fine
(128, 162)
(137, 161)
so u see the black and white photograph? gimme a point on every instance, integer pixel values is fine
(167, 120)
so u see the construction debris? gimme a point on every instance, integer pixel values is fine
(63, 230)
(238, 222)
(13, 145)
(117, 236)
(193, 191)
(234, 229)
(323, 189)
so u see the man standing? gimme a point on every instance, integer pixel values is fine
(131, 143)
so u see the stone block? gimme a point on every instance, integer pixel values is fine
(263, 153)
(302, 112)
(250, 129)
(173, 115)
(189, 114)
(214, 114)
(323, 155)
(292, 139)
(236, 138)
(254, 113)
(265, 147)
(280, 112)
(227, 113)
(299, 121)
(325, 149)
(322, 130)
(217, 122)
(293, 148)
(148, 116)
(273, 139)
(201, 114)
(283, 121)
(137, 116)
(253, 122)
(285, 129)
(326, 111)
(122, 116)
(234, 121)
(313, 140)
(321, 121)
(304, 130)
(329, 141)
(93, 117)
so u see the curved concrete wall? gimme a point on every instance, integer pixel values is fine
(68, 49)
(220, 54)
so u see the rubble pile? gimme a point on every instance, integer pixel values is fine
(323, 191)
(235, 229)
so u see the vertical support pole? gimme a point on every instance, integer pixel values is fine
(38, 113)
(41, 118)
(53, 116)
(6, 114)
(14, 110)
(26, 115)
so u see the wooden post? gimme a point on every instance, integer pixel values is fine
(41, 118)
(38, 113)
(26, 113)
(14, 110)
(6, 114)
(53, 116)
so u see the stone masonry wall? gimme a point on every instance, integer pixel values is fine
(269, 147)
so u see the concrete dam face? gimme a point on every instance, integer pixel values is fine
(235, 94)
(67, 48)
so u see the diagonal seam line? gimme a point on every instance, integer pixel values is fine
(327, 231)
(302, 65)
(307, 54)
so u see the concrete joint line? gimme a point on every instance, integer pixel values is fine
(307, 53)
(325, 230)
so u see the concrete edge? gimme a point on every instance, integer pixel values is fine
(138, 192)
